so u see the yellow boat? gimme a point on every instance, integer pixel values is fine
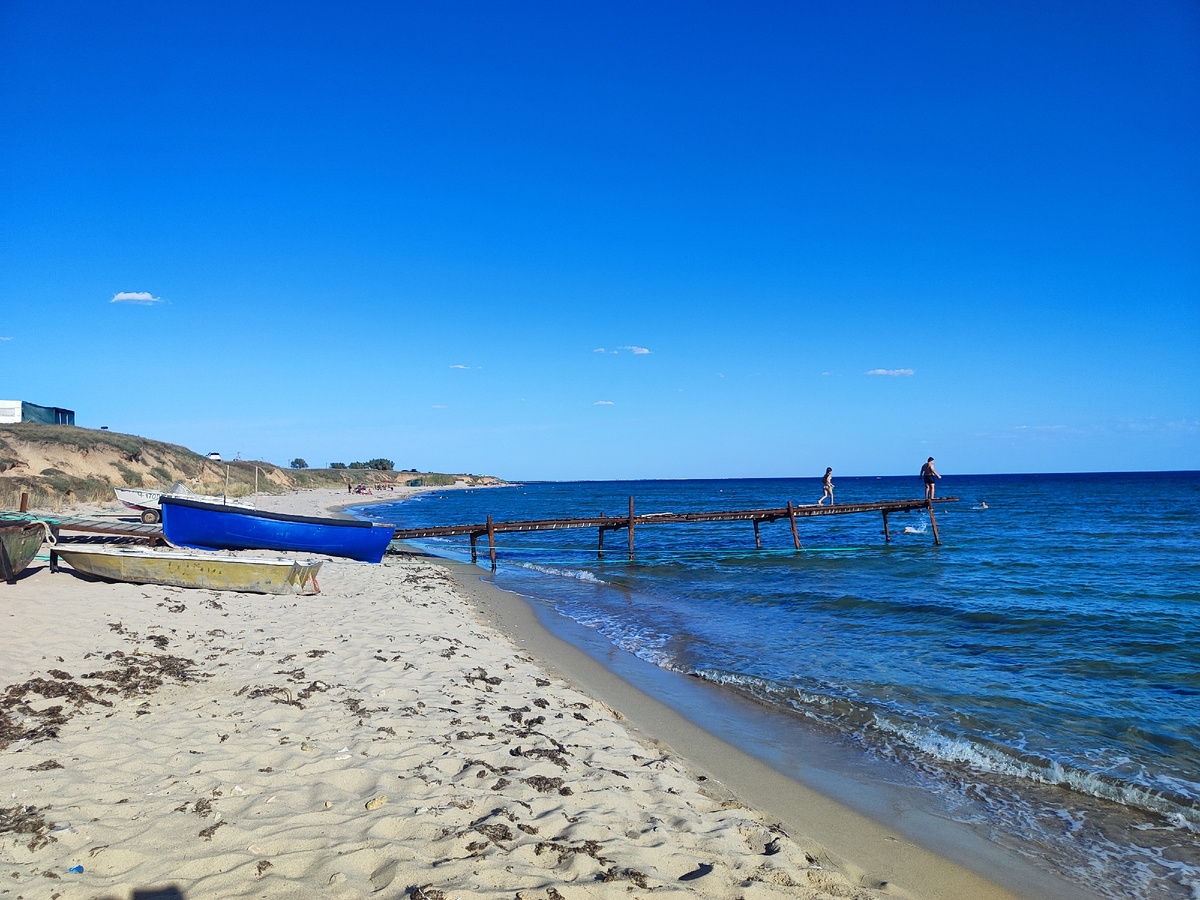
(194, 570)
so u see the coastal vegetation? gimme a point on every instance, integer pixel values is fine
(379, 464)
(59, 465)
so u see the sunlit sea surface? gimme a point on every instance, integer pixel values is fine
(1038, 674)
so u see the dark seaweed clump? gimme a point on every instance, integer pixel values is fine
(27, 820)
(131, 675)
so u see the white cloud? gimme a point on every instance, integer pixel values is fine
(5, 339)
(436, 406)
(893, 373)
(1189, 425)
(144, 298)
(636, 350)
(460, 367)
(599, 350)
(603, 403)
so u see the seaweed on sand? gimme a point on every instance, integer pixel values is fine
(27, 820)
(132, 675)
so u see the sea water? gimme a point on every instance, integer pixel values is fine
(1036, 677)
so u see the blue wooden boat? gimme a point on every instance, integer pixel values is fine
(214, 526)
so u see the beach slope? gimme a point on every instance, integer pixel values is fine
(380, 737)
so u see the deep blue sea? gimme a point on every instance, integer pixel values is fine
(1037, 676)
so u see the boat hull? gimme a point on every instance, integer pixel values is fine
(136, 498)
(209, 526)
(215, 573)
(19, 544)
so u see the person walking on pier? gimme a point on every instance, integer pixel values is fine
(827, 484)
(930, 476)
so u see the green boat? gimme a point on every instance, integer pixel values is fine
(19, 544)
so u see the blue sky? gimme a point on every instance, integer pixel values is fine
(435, 234)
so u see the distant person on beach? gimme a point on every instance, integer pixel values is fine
(930, 476)
(827, 484)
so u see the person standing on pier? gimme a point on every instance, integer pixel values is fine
(930, 476)
(827, 484)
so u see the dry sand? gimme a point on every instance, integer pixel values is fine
(385, 737)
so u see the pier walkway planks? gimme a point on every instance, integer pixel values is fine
(631, 522)
(105, 528)
(152, 534)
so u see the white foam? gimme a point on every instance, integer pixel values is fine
(579, 574)
(644, 643)
(995, 760)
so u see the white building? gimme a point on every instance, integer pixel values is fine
(12, 411)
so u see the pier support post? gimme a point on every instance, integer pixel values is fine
(492, 542)
(24, 501)
(631, 528)
(792, 517)
(600, 542)
(887, 535)
(932, 521)
(757, 536)
(474, 555)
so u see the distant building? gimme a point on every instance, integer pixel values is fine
(20, 411)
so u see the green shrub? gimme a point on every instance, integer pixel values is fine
(130, 477)
(436, 479)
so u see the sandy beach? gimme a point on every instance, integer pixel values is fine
(409, 731)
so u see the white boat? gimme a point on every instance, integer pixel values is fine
(194, 570)
(149, 502)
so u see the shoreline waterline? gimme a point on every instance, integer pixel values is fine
(881, 834)
(881, 852)
(1011, 600)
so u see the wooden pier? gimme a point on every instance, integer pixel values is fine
(138, 531)
(630, 522)
(102, 529)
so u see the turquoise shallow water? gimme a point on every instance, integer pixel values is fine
(1038, 675)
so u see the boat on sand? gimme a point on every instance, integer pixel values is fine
(149, 502)
(211, 526)
(194, 570)
(19, 544)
